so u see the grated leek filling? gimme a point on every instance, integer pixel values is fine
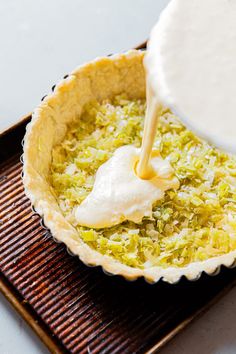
(194, 223)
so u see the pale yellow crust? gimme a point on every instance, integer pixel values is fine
(100, 79)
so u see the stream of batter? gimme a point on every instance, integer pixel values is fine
(131, 181)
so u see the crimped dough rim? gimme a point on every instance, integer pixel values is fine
(97, 79)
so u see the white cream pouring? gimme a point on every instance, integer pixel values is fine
(129, 183)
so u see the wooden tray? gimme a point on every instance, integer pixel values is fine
(76, 309)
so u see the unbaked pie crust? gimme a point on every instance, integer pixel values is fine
(98, 80)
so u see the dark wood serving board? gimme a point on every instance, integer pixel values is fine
(76, 309)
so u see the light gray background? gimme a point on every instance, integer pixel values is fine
(42, 40)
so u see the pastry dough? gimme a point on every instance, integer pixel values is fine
(98, 80)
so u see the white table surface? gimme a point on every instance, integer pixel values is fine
(42, 40)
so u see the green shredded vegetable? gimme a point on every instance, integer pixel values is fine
(194, 223)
